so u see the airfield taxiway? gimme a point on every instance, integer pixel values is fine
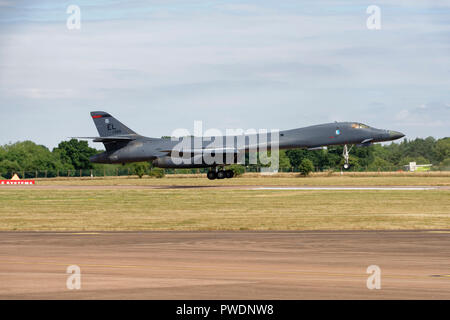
(226, 265)
(223, 187)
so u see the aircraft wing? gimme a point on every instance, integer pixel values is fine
(107, 139)
(203, 151)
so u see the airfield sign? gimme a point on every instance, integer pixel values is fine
(15, 180)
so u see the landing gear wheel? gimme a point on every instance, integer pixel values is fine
(229, 174)
(211, 175)
(221, 174)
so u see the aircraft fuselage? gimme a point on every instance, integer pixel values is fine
(158, 150)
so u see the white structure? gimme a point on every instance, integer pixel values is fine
(418, 167)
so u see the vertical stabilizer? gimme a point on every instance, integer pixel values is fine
(107, 125)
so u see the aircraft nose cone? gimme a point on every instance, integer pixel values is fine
(395, 135)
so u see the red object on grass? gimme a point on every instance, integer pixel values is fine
(17, 182)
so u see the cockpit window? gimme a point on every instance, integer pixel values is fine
(359, 125)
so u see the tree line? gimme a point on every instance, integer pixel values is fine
(73, 155)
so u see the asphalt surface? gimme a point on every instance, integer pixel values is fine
(226, 265)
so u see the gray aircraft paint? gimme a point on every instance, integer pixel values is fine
(123, 145)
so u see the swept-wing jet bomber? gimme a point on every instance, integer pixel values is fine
(123, 145)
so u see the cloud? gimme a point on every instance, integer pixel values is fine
(433, 114)
(5, 3)
(269, 64)
(36, 93)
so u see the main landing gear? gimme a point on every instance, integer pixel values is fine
(220, 174)
(345, 154)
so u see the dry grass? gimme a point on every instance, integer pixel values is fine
(214, 209)
(251, 179)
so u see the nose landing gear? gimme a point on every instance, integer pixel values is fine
(345, 154)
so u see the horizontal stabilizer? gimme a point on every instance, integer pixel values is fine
(107, 139)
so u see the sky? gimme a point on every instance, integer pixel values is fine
(160, 65)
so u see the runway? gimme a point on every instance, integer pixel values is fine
(349, 188)
(226, 265)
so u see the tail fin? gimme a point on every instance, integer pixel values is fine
(108, 125)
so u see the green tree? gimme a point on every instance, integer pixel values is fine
(379, 164)
(419, 147)
(442, 149)
(295, 156)
(8, 168)
(283, 159)
(32, 157)
(445, 164)
(306, 167)
(140, 168)
(284, 162)
(69, 155)
(2, 153)
(237, 169)
(321, 159)
(364, 156)
(75, 153)
(156, 172)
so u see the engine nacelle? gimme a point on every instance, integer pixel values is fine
(197, 161)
